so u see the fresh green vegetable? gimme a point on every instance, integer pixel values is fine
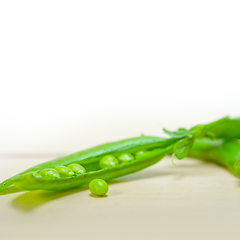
(140, 153)
(125, 157)
(108, 161)
(223, 152)
(64, 171)
(49, 173)
(77, 168)
(228, 129)
(101, 161)
(225, 128)
(89, 159)
(98, 187)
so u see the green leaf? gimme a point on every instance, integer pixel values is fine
(178, 134)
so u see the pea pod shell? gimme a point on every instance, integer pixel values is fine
(106, 174)
(92, 155)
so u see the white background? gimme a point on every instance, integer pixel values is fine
(74, 74)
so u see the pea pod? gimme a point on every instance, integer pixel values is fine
(223, 128)
(89, 159)
(227, 129)
(65, 172)
(222, 152)
(83, 179)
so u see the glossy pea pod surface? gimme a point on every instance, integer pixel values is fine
(222, 152)
(225, 128)
(89, 159)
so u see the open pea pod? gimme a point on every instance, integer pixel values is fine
(59, 174)
(156, 148)
(106, 174)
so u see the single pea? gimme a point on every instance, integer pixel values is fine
(77, 168)
(125, 157)
(140, 153)
(64, 171)
(32, 176)
(31, 179)
(49, 173)
(108, 161)
(98, 187)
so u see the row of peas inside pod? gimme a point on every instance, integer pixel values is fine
(97, 187)
(111, 161)
(76, 169)
(62, 171)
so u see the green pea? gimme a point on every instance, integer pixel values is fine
(32, 176)
(64, 171)
(49, 173)
(98, 187)
(77, 168)
(140, 153)
(108, 161)
(125, 157)
(31, 180)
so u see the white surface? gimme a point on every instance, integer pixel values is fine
(77, 73)
(191, 200)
